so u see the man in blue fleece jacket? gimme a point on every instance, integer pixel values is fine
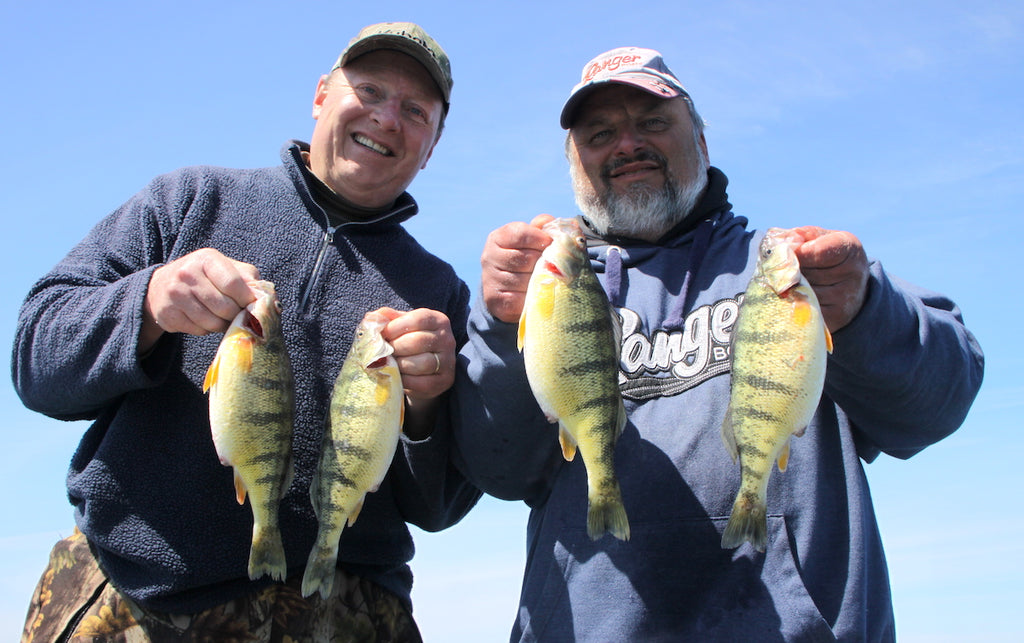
(122, 330)
(674, 260)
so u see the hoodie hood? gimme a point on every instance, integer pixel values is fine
(613, 255)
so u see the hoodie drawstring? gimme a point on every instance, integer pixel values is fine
(613, 274)
(701, 241)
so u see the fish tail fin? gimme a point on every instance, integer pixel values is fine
(266, 558)
(748, 523)
(606, 514)
(320, 568)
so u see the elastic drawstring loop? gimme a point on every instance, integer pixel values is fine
(701, 241)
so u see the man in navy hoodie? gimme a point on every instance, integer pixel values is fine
(674, 260)
(122, 330)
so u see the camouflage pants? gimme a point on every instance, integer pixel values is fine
(75, 602)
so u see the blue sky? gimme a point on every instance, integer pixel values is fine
(901, 124)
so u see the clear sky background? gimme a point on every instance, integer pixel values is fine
(899, 121)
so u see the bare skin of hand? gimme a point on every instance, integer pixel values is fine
(425, 351)
(197, 294)
(836, 266)
(507, 262)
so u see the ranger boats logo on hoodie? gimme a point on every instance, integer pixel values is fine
(670, 361)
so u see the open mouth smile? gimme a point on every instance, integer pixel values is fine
(376, 147)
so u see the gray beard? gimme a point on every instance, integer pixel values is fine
(642, 212)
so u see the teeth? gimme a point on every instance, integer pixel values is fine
(376, 147)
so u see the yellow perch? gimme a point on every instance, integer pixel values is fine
(251, 411)
(570, 339)
(779, 347)
(364, 422)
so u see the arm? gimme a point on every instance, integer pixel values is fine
(905, 369)
(83, 327)
(429, 491)
(505, 445)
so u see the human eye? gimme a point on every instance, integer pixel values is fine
(418, 113)
(599, 136)
(655, 124)
(368, 92)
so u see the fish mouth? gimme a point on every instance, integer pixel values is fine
(368, 143)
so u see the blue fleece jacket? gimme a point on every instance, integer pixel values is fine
(148, 490)
(902, 376)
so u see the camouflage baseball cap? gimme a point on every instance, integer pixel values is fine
(643, 68)
(408, 38)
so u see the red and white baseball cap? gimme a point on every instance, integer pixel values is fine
(643, 68)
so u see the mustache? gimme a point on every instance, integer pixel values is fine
(646, 155)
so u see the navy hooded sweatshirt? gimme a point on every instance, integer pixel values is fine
(902, 376)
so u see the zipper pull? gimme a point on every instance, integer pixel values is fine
(327, 241)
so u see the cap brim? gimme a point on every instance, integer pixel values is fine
(402, 44)
(646, 82)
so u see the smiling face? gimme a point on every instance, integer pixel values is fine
(377, 120)
(639, 165)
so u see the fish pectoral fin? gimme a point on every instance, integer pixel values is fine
(568, 444)
(245, 346)
(355, 512)
(239, 489)
(801, 311)
(783, 461)
(828, 341)
(545, 299)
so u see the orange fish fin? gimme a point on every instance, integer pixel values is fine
(784, 457)
(544, 302)
(355, 512)
(211, 373)
(801, 311)
(828, 341)
(381, 392)
(522, 330)
(244, 348)
(239, 489)
(568, 444)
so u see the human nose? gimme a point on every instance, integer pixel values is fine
(630, 141)
(386, 115)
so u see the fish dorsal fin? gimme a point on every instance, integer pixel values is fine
(620, 420)
(728, 437)
(828, 341)
(568, 444)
